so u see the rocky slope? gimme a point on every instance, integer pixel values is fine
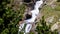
(51, 11)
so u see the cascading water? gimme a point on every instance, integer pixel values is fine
(29, 22)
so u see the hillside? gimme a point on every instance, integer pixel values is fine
(11, 11)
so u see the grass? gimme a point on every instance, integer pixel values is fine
(49, 11)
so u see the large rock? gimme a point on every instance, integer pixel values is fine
(55, 26)
(49, 19)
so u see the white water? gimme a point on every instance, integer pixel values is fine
(34, 12)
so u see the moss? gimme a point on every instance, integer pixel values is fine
(57, 8)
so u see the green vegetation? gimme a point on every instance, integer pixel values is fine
(58, 0)
(48, 11)
(44, 29)
(9, 18)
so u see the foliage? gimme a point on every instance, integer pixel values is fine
(58, 0)
(9, 18)
(44, 29)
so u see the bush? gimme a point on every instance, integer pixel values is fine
(9, 18)
(58, 0)
(44, 29)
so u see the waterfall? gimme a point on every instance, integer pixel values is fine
(38, 4)
(34, 12)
